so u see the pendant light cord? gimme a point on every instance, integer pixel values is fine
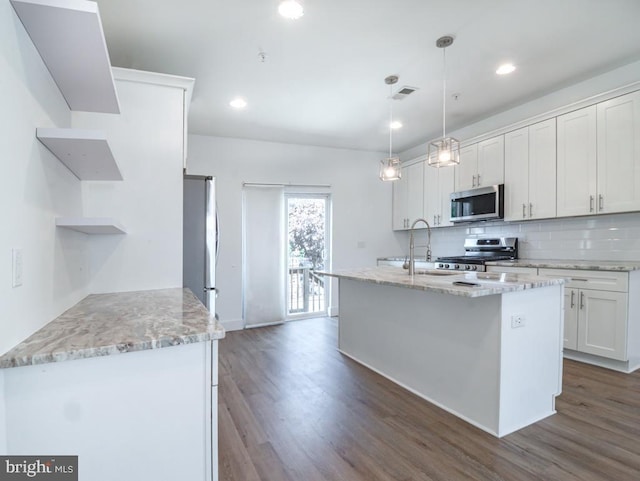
(444, 91)
(390, 120)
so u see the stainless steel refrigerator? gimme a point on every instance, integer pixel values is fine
(200, 238)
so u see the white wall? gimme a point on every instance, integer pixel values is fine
(34, 188)
(606, 237)
(146, 139)
(361, 202)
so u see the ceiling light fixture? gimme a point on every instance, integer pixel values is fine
(505, 69)
(445, 151)
(238, 103)
(390, 167)
(395, 125)
(291, 9)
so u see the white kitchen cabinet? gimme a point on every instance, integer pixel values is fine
(438, 186)
(596, 312)
(400, 196)
(467, 169)
(481, 164)
(408, 196)
(152, 414)
(530, 172)
(599, 158)
(577, 162)
(513, 270)
(619, 154)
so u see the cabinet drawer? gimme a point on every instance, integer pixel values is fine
(600, 280)
(515, 270)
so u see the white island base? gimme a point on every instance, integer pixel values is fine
(461, 353)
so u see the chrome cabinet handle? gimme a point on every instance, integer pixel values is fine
(600, 202)
(530, 210)
(582, 300)
(573, 303)
(524, 211)
(473, 181)
(590, 203)
(439, 219)
(434, 220)
(478, 180)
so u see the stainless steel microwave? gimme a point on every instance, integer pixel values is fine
(483, 203)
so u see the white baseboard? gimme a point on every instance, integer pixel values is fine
(233, 325)
(333, 311)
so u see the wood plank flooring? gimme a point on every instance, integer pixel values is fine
(292, 408)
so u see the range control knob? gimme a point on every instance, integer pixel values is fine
(467, 267)
(475, 268)
(440, 266)
(456, 266)
(446, 266)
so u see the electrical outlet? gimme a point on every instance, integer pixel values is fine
(517, 320)
(16, 267)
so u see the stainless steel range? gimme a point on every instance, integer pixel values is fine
(480, 251)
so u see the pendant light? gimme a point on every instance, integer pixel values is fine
(445, 151)
(390, 167)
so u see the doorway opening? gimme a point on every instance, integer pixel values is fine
(308, 244)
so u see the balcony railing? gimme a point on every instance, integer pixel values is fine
(306, 291)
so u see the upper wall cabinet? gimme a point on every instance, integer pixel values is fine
(577, 162)
(69, 37)
(599, 158)
(530, 172)
(481, 164)
(408, 196)
(619, 154)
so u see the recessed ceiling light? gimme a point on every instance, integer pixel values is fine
(291, 9)
(238, 103)
(505, 69)
(395, 125)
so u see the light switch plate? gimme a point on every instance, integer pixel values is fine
(16, 267)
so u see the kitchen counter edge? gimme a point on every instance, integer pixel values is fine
(117, 323)
(488, 284)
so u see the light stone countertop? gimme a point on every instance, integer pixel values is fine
(623, 266)
(489, 283)
(108, 324)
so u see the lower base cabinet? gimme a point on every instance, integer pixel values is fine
(601, 315)
(145, 416)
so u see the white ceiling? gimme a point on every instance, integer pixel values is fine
(323, 80)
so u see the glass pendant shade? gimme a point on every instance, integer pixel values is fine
(390, 169)
(444, 152)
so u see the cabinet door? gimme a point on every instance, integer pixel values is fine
(445, 188)
(542, 170)
(619, 154)
(400, 199)
(576, 168)
(571, 298)
(467, 169)
(432, 195)
(602, 323)
(516, 167)
(491, 162)
(415, 187)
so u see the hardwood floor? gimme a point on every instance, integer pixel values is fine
(291, 407)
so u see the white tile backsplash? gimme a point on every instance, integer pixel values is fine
(605, 237)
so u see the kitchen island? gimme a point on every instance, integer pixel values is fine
(489, 353)
(125, 381)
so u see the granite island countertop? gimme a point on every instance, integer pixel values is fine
(115, 323)
(441, 281)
